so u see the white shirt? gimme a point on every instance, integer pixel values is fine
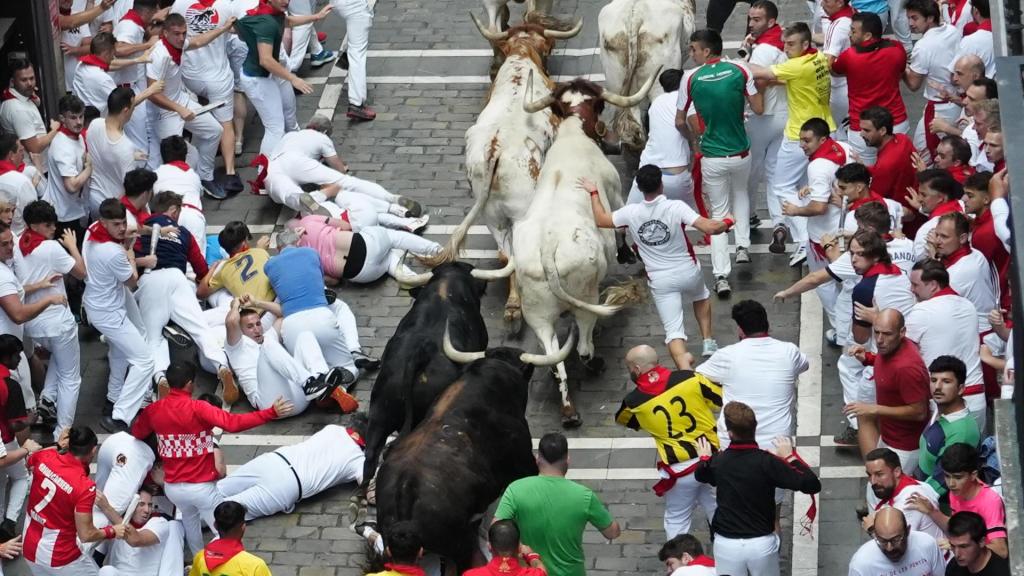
(931, 57)
(73, 37)
(184, 182)
(20, 116)
(107, 269)
(957, 18)
(762, 373)
(923, 558)
(328, 458)
(894, 208)
(244, 357)
(9, 284)
(979, 44)
(666, 147)
(308, 143)
(916, 520)
(65, 159)
(19, 185)
(694, 571)
(821, 175)
(93, 85)
(767, 56)
(211, 61)
(973, 278)
(162, 67)
(144, 560)
(111, 160)
(658, 228)
(47, 259)
(115, 12)
(837, 39)
(970, 133)
(947, 324)
(129, 32)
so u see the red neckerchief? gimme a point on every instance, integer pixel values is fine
(830, 150)
(960, 172)
(69, 133)
(844, 12)
(6, 167)
(29, 241)
(881, 268)
(702, 560)
(871, 197)
(947, 291)
(220, 551)
(261, 163)
(955, 257)
(999, 166)
(772, 37)
(7, 95)
(985, 24)
(955, 11)
(743, 446)
(140, 214)
(653, 381)
(133, 16)
(810, 50)
(905, 481)
(406, 569)
(205, 3)
(871, 45)
(94, 60)
(356, 437)
(136, 525)
(174, 52)
(262, 9)
(982, 219)
(183, 166)
(946, 208)
(97, 233)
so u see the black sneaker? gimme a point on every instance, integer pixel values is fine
(108, 409)
(176, 336)
(755, 221)
(365, 362)
(315, 387)
(214, 190)
(47, 412)
(232, 184)
(8, 529)
(332, 296)
(342, 61)
(112, 425)
(336, 377)
(778, 245)
(846, 438)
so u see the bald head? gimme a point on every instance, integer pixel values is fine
(890, 319)
(967, 69)
(890, 522)
(642, 358)
(889, 331)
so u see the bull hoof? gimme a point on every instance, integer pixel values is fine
(513, 321)
(625, 255)
(570, 421)
(593, 365)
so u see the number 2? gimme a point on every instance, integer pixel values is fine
(677, 400)
(245, 263)
(51, 491)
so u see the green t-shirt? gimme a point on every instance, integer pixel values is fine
(262, 29)
(552, 513)
(945, 431)
(718, 91)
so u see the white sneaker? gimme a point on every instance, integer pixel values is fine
(710, 347)
(238, 147)
(397, 210)
(417, 225)
(798, 257)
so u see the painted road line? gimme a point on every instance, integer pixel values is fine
(475, 254)
(329, 99)
(487, 53)
(808, 423)
(455, 79)
(482, 230)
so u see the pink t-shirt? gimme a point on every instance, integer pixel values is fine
(320, 237)
(986, 504)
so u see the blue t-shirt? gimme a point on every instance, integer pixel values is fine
(297, 279)
(876, 6)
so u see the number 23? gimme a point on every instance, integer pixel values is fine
(677, 400)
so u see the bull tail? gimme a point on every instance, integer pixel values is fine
(450, 251)
(616, 297)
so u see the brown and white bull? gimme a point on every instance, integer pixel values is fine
(561, 255)
(636, 38)
(505, 148)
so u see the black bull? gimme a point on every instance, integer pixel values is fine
(414, 366)
(473, 443)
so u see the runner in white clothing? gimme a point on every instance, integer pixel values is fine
(889, 487)
(836, 24)
(19, 113)
(658, 228)
(175, 175)
(896, 549)
(13, 178)
(276, 481)
(970, 273)
(69, 167)
(666, 148)
(980, 41)
(112, 152)
(122, 464)
(131, 35)
(94, 82)
(152, 544)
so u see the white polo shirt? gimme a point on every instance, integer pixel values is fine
(931, 57)
(328, 458)
(111, 160)
(65, 159)
(162, 67)
(129, 32)
(884, 290)
(767, 56)
(20, 116)
(47, 259)
(973, 278)
(980, 44)
(837, 39)
(107, 270)
(658, 227)
(906, 488)
(10, 285)
(923, 558)
(947, 324)
(93, 85)
(19, 185)
(143, 560)
(821, 175)
(211, 61)
(306, 142)
(244, 357)
(184, 182)
(894, 208)
(115, 12)
(666, 147)
(762, 373)
(73, 37)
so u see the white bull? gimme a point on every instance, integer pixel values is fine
(561, 255)
(505, 148)
(636, 38)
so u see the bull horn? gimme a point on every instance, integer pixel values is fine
(458, 356)
(487, 32)
(410, 280)
(630, 101)
(490, 275)
(564, 34)
(536, 105)
(550, 359)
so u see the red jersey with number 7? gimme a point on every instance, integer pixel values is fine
(60, 488)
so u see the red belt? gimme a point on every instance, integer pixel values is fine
(743, 154)
(974, 389)
(192, 206)
(666, 484)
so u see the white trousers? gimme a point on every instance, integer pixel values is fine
(839, 104)
(171, 556)
(142, 133)
(128, 354)
(206, 132)
(196, 502)
(166, 295)
(675, 187)
(282, 375)
(303, 37)
(384, 251)
(897, 16)
(827, 292)
(747, 556)
(671, 292)
(347, 322)
(216, 90)
(81, 566)
(195, 222)
(949, 112)
(766, 134)
(725, 185)
(323, 324)
(17, 475)
(682, 498)
(274, 101)
(869, 154)
(64, 374)
(908, 458)
(976, 406)
(358, 16)
(265, 485)
(790, 174)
